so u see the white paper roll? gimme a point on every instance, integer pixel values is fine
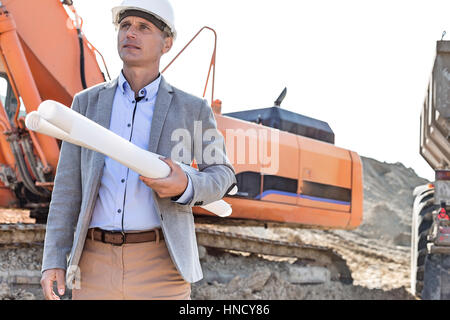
(56, 120)
(220, 208)
(233, 191)
(35, 122)
(58, 114)
(119, 149)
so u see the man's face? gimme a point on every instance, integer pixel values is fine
(140, 43)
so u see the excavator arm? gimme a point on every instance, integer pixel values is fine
(43, 55)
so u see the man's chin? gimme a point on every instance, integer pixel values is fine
(132, 60)
(136, 61)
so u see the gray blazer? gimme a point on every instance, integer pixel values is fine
(79, 173)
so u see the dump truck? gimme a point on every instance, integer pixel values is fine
(430, 243)
(289, 172)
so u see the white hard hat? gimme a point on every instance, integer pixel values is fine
(161, 9)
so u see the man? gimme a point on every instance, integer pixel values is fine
(131, 237)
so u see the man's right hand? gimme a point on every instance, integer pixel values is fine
(48, 278)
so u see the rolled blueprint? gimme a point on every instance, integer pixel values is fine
(117, 148)
(57, 120)
(58, 114)
(35, 122)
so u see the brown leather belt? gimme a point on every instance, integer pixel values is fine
(118, 238)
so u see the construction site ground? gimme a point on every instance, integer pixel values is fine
(377, 253)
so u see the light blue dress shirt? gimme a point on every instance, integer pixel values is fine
(124, 202)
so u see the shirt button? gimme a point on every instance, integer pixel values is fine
(123, 180)
(129, 125)
(133, 101)
(119, 211)
(146, 99)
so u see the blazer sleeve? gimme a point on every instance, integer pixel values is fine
(214, 179)
(64, 206)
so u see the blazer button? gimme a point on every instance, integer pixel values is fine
(198, 203)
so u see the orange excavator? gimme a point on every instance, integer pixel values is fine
(289, 172)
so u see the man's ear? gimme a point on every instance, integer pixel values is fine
(168, 42)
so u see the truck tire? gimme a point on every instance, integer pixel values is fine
(421, 227)
(436, 282)
(430, 273)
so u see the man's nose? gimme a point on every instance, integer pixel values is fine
(131, 32)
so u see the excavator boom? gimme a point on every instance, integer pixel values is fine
(44, 55)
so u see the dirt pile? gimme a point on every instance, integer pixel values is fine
(388, 201)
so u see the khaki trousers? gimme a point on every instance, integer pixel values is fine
(132, 271)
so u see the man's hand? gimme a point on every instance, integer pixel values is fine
(173, 185)
(48, 278)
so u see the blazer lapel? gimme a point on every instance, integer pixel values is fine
(162, 105)
(105, 103)
(103, 117)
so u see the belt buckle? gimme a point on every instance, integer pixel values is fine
(123, 236)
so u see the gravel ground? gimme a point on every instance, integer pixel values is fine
(380, 271)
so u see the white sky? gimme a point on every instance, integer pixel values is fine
(361, 66)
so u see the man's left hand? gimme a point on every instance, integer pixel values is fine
(173, 185)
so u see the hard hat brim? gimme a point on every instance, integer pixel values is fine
(117, 10)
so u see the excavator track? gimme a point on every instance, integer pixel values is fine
(312, 255)
(17, 234)
(31, 237)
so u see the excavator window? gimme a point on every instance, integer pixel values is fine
(8, 98)
(249, 184)
(3, 90)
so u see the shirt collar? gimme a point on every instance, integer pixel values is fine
(149, 91)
